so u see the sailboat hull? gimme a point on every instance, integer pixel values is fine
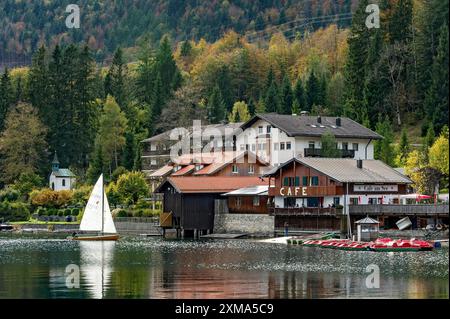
(96, 238)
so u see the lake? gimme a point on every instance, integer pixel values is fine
(134, 267)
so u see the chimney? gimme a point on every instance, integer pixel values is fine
(338, 121)
(359, 163)
(319, 119)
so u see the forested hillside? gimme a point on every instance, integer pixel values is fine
(105, 25)
(391, 79)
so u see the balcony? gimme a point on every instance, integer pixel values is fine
(441, 210)
(317, 152)
(305, 211)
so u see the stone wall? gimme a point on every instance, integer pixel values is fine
(253, 224)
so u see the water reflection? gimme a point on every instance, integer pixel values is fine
(96, 265)
(156, 268)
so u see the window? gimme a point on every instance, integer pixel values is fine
(344, 145)
(260, 129)
(253, 147)
(288, 145)
(275, 146)
(354, 201)
(255, 200)
(289, 202)
(198, 167)
(242, 147)
(251, 169)
(268, 128)
(336, 201)
(297, 181)
(315, 181)
(311, 144)
(282, 146)
(355, 146)
(238, 202)
(53, 186)
(305, 181)
(153, 162)
(289, 181)
(261, 146)
(234, 169)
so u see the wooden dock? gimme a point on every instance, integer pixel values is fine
(223, 236)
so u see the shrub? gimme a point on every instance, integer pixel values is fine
(60, 213)
(132, 186)
(141, 203)
(81, 195)
(51, 212)
(122, 213)
(41, 211)
(67, 212)
(50, 198)
(13, 212)
(27, 182)
(75, 211)
(9, 194)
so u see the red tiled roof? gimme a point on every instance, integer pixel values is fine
(185, 170)
(213, 184)
(163, 171)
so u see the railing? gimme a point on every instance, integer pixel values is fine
(150, 220)
(305, 211)
(425, 209)
(317, 152)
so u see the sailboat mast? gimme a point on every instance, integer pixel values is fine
(103, 206)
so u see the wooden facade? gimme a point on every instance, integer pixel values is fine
(247, 204)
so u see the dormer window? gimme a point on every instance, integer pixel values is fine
(234, 169)
(199, 167)
(268, 129)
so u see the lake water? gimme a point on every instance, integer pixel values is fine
(134, 267)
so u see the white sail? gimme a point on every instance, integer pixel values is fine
(108, 223)
(92, 217)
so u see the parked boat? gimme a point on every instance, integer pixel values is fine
(97, 217)
(391, 245)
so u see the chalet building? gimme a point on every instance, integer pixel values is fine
(277, 138)
(315, 193)
(190, 202)
(248, 200)
(61, 178)
(156, 149)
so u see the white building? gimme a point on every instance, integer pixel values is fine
(61, 178)
(278, 138)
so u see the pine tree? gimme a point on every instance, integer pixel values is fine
(312, 92)
(299, 96)
(286, 96)
(6, 97)
(216, 106)
(404, 147)
(186, 48)
(436, 101)
(157, 101)
(96, 165)
(260, 106)
(116, 82)
(272, 99)
(354, 71)
(384, 150)
(129, 151)
(165, 67)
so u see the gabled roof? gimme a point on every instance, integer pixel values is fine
(63, 172)
(162, 172)
(344, 170)
(222, 129)
(367, 220)
(209, 184)
(303, 125)
(185, 170)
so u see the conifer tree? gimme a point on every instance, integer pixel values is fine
(6, 96)
(216, 106)
(286, 96)
(299, 96)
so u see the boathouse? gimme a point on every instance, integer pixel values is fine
(316, 193)
(190, 202)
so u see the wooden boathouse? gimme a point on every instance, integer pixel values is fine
(189, 202)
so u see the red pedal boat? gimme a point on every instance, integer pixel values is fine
(387, 244)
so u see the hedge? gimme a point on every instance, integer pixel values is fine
(14, 212)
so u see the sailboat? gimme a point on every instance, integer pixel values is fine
(97, 216)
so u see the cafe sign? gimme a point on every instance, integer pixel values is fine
(375, 188)
(293, 191)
